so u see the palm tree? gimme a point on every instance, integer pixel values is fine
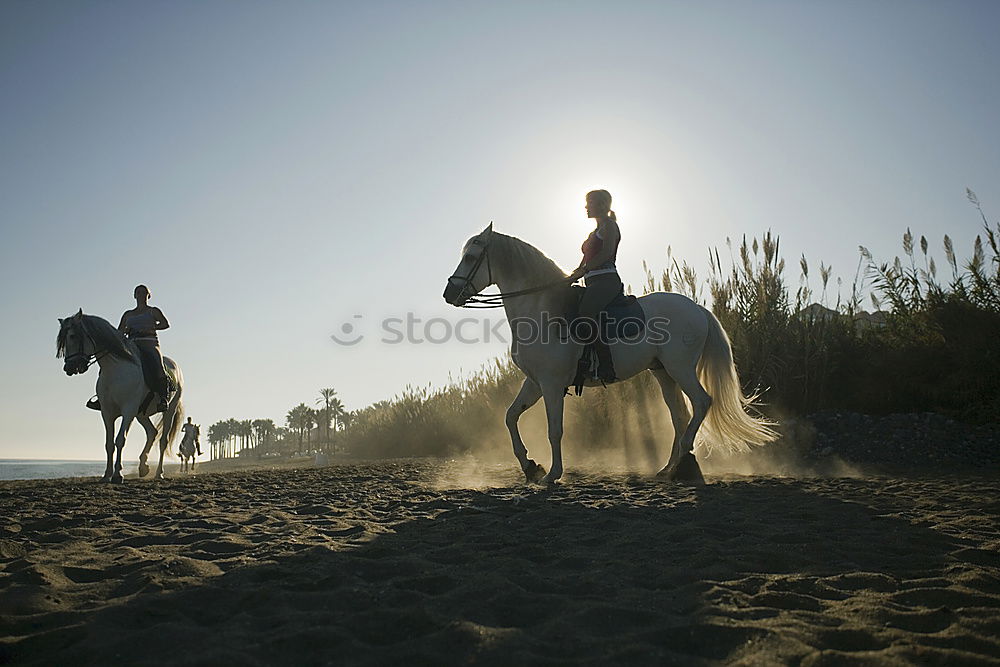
(264, 430)
(232, 432)
(326, 398)
(300, 419)
(346, 418)
(310, 418)
(216, 436)
(337, 410)
(292, 421)
(245, 433)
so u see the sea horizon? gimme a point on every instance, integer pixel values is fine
(26, 469)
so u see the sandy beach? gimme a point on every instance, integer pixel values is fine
(438, 563)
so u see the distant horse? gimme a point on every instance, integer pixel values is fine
(686, 349)
(188, 448)
(121, 388)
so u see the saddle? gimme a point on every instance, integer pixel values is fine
(622, 319)
(150, 396)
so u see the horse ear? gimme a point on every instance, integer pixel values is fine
(60, 320)
(79, 313)
(488, 230)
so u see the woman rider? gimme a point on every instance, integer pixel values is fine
(600, 274)
(140, 325)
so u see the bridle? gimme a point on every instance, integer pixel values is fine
(476, 300)
(84, 360)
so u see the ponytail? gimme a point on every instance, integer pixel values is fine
(611, 214)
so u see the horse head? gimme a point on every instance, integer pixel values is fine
(473, 274)
(75, 344)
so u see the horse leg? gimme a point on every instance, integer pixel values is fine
(554, 398)
(109, 443)
(120, 445)
(168, 420)
(147, 425)
(680, 415)
(528, 396)
(682, 465)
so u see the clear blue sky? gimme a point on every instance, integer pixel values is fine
(271, 169)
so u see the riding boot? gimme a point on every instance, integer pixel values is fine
(605, 363)
(582, 330)
(94, 404)
(162, 391)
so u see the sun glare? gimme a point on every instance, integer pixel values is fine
(627, 202)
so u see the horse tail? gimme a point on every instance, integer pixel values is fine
(174, 426)
(727, 421)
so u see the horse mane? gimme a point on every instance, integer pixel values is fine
(514, 251)
(105, 337)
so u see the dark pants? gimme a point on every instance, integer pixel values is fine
(601, 290)
(152, 366)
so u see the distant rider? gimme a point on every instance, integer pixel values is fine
(195, 432)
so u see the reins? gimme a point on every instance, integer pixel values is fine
(496, 300)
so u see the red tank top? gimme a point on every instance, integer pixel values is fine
(593, 245)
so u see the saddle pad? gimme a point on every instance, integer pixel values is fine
(624, 316)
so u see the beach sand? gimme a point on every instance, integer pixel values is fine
(422, 562)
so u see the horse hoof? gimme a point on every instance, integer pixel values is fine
(117, 479)
(534, 472)
(106, 479)
(143, 470)
(549, 480)
(686, 471)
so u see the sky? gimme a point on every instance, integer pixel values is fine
(274, 170)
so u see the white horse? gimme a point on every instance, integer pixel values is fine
(684, 346)
(188, 448)
(121, 389)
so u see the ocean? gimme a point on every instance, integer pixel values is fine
(49, 469)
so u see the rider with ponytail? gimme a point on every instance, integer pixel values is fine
(600, 274)
(141, 324)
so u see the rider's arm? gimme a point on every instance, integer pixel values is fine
(121, 325)
(161, 320)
